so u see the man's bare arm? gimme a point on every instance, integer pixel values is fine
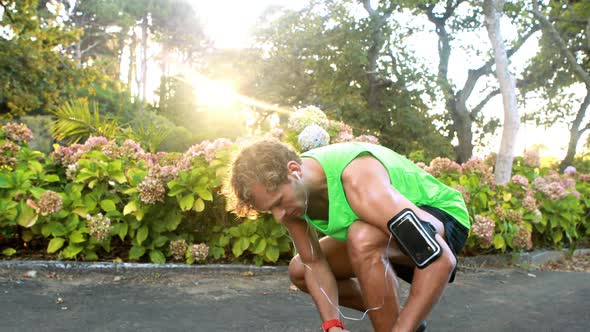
(318, 275)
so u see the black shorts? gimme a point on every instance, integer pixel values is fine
(455, 235)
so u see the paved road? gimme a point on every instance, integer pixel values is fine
(482, 300)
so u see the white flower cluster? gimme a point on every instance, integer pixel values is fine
(313, 136)
(306, 116)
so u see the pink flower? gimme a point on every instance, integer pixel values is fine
(199, 252)
(132, 149)
(151, 191)
(523, 238)
(177, 249)
(531, 158)
(50, 202)
(439, 166)
(529, 202)
(466, 195)
(367, 139)
(478, 166)
(17, 132)
(483, 228)
(99, 226)
(207, 149)
(520, 180)
(8, 151)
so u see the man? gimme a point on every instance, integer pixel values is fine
(351, 192)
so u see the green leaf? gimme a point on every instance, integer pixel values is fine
(499, 242)
(51, 178)
(119, 177)
(35, 166)
(139, 214)
(240, 246)
(235, 232)
(55, 244)
(160, 241)
(130, 207)
(223, 241)
(76, 237)
(72, 250)
(260, 247)
(175, 190)
(27, 216)
(199, 205)
(205, 194)
(5, 182)
(90, 256)
(8, 251)
(142, 234)
(272, 253)
(157, 257)
(186, 203)
(557, 236)
(136, 252)
(121, 229)
(172, 220)
(57, 229)
(108, 205)
(37, 192)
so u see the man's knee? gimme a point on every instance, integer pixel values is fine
(297, 272)
(450, 261)
(364, 241)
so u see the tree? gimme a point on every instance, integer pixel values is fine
(448, 22)
(503, 170)
(566, 26)
(354, 69)
(35, 74)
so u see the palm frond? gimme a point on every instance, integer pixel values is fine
(76, 122)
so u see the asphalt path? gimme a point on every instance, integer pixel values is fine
(479, 300)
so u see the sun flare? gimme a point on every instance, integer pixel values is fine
(212, 93)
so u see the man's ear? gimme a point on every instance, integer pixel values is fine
(294, 167)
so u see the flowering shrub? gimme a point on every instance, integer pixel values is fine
(537, 206)
(84, 198)
(306, 116)
(313, 136)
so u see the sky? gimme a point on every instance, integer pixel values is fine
(229, 22)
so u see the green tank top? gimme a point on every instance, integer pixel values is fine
(414, 183)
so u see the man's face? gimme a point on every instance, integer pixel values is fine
(287, 201)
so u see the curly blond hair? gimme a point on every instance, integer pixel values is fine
(263, 162)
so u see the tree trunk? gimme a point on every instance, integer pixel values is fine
(580, 72)
(144, 45)
(122, 41)
(493, 11)
(376, 44)
(132, 60)
(576, 132)
(456, 102)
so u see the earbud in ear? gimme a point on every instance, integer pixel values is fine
(297, 175)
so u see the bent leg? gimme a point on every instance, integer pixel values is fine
(427, 287)
(336, 253)
(369, 257)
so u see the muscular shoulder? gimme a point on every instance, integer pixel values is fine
(364, 170)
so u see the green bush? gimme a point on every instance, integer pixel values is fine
(104, 200)
(146, 203)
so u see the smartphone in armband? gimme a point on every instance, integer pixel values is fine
(414, 239)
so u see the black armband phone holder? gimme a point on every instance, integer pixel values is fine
(415, 237)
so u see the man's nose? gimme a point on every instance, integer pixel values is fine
(278, 213)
